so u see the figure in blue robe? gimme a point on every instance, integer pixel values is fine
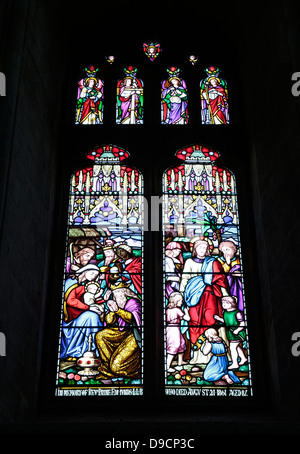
(217, 367)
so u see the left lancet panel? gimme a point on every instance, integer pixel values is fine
(101, 332)
(90, 96)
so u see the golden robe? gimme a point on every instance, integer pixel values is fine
(118, 347)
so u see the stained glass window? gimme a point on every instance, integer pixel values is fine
(174, 99)
(130, 98)
(206, 333)
(214, 98)
(90, 94)
(101, 333)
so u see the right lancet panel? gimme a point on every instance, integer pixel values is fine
(214, 98)
(206, 333)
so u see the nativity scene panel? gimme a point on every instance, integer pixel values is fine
(101, 332)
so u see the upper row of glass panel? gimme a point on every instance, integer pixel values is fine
(174, 98)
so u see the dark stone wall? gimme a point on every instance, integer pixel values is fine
(267, 60)
(34, 56)
(30, 116)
